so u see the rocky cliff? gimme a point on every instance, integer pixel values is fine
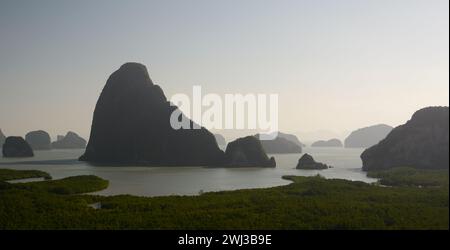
(131, 125)
(422, 142)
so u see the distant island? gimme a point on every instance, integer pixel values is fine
(281, 144)
(329, 143)
(367, 137)
(38, 140)
(70, 141)
(291, 137)
(422, 142)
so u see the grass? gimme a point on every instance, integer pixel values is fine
(411, 177)
(306, 203)
(70, 185)
(10, 174)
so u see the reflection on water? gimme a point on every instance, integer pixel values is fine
(157, 181)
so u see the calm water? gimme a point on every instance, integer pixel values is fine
(157, 181)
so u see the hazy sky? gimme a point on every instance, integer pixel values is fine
(336, 65)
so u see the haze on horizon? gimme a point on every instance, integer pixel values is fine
(336, 65)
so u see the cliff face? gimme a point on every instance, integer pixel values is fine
(367, 137)
(420, 143)
(131, 125)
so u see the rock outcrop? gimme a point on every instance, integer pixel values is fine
(247, 151)
(329, 143)
(38, 140)
(70, 141)
(16, 146)
(131, 125)
(220, 139)
(2, 138)
(367, 137)
(307, 162)
(422, 142)
(279, 145)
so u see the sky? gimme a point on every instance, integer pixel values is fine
(336, 65)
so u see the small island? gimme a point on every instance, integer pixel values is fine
(307, 162)
(329, 143)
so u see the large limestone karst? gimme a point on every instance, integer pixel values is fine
(422, 142)
(131, 125)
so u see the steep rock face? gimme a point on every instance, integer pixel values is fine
(307, 162)
(16, 146)
(367, 137)
(70, 141)
(329, 143)
(247, 151)
(2, 138)
(131, 125)
(38, 140)
(279, 145)
(220, 139)
(420, 143)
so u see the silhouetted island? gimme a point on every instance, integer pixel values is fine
(70, 141)
(307, 162)
(131, 125)
(2, 138)
(247, 151)
(329, 143)
(38, 140)
(292, 138)
(420, 143)
(220, 139)
(367, 137)
(16, 146)
(281, 145)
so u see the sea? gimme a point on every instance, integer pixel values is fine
(163, 181)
